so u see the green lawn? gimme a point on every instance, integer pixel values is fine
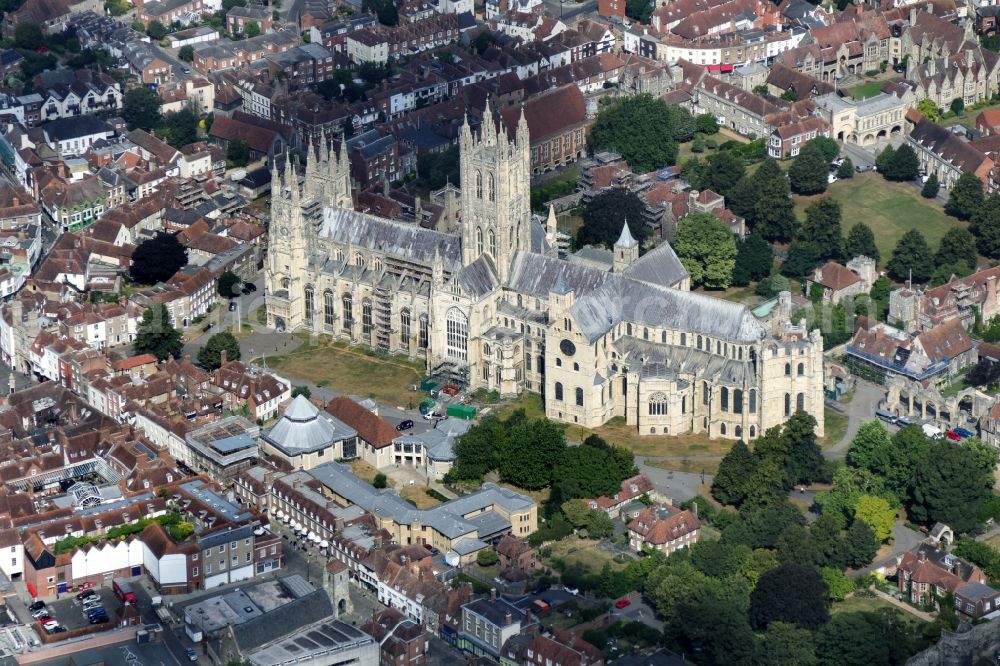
(890, 209)
(866, 90)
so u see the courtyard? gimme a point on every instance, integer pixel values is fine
(890, 209)
(352, 370)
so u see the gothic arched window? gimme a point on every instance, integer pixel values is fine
(328, 313)
(737, 401)
(559, 391)
(658, 404)
(479, 240)
(493, 188)
(309, 303)
(366, 317)
(579, 397)
(404, 327)
(800, 402)
(347, 305)
(479, 184)
(493, 244)
(457, 329)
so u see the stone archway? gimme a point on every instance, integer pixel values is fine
(896, 130)
(868, 140)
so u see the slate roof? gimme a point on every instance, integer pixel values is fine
(303, 428)
(402, 240)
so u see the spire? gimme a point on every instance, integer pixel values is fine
(522, 128)
(626, 239)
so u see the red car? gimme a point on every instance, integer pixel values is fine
(953, 436)
(623, 603)
(450, 389)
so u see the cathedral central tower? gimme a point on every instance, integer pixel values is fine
(496, 192)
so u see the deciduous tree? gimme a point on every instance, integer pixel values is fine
(606, 213)
(141, 108)
(957, 246)
(730, 485)
(949, 487)
(791, 593)
(754, 260)
(985, 226)
(210, 356)
(229, 284)
(783, 644)
(156, 335)
(877, 514)
(640, 129)
(157, 259)
(965, 196)
(707, 248)
(860, 544)
(724, 171)
(846, 169)
(902, 166)
(743, 197)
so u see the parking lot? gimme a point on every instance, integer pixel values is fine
(68, 611)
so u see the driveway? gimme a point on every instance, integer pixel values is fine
(861, 408)
(903, 539)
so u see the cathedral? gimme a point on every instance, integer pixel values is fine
(495, 307)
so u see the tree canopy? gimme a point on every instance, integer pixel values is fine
(238, 152)
(210, 355)
(957, 246)
(931, 187)
(949, 486)
(643, 130)
(809, 172)
(754, 260)
(156, 335)
(605, 215)
(724, 171)
(157, 259)
(791, 593)
(822, 228)
(965, 196)
(985, 226)
(707, 248)
(902, 165)
(774, 212)
(229, 284)
(141, 108)
(913, 256)
(861, 241)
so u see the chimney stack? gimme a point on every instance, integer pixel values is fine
(493, 594)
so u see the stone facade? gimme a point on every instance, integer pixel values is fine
(493, 305)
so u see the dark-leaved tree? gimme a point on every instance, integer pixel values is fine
(141, 108)
(791, 593)
(724, 171)
(912, 256)
(821, 228)
(606, 213)
(229, 284)
(902, 166)
(985, 226)
(641, 129)
(931, 187)
(157, 259)
(861, 241)
(774, 215)
(949, 487)
(730, 483)
(809, 172)
(754, 260)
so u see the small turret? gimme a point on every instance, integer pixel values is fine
(551, 228)
(626, 249)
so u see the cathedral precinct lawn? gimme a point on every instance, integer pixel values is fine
(866, 90)
(890, 209)
(585, 553)
(352, 370)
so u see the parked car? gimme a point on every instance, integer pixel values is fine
(99, 619)
(432, 415)
(96, 610)
(450, 389)
(58, 629)
(232, 306)
(49, 625)
(623, 603)
(86, 593)
(249, 288)
(404, 425)
(831, 178)
(963, 433)
(953, 436)
(36, 605)
(40, 613)
(92, 603)
(191, 654)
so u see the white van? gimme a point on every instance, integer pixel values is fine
(932, 431)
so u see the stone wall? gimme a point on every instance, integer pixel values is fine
(967, 646)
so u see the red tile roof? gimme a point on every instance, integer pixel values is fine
(371, 428)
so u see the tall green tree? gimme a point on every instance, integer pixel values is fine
(592, 469)
(931, 187)
(768, 171)
(902, 166)
(801, 260)
(754, 260)
(210, 356)
(809, 171)
(846, 169)
(742, 198)
(186, 53)
(252, 29)
(861, 241)
(730, 485)
(724, 171)
(884, 158)
(477, 451)
(871, 448)
(791, 593)
(229, 284)
(912, 256)
(640, 129)
(784, 644)
(707, 248)
(965, 197)
(860, 545)
(877, 514)
(532, 452)
(827, 146)
(156, 335)
(804, 459)
(774, 215)
(822, 228)
(985, 226)
(605, 215)
(141, 108)
(238, 152)
(179, 128)
(156, 30)
(949, 487)
(957, 246)
(865, 639)
(28, 35)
